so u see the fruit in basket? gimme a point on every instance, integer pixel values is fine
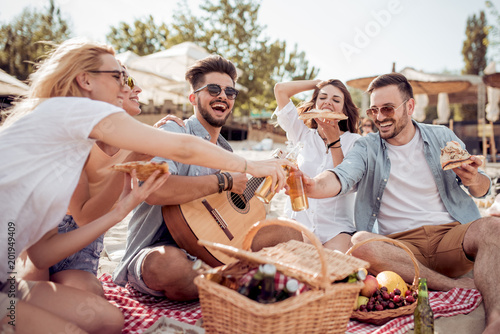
(391, 281)
(361, 300)
(371, 285)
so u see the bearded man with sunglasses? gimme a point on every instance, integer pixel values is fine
(153, 263)
(403, 193)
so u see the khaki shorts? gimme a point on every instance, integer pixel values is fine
(439, 247)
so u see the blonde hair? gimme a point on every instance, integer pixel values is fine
(55, 75)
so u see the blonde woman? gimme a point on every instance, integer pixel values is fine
(44, 143)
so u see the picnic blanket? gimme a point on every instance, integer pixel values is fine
(443, 304)
(142, 311)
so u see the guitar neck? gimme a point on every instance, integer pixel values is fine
(252, 185)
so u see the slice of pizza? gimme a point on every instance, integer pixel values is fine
(144, 169)
(316, 113)
(453, 156)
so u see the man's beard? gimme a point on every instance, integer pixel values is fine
(398, 126)
(211, 120)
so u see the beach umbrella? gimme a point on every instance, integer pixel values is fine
(423, 83)
(428, 84)
(162, 74)
(10, 86)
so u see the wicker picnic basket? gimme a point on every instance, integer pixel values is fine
(381, 317)
(325, 308)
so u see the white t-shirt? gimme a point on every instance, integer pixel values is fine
(41, 159)
(407, 201)
(325, 217)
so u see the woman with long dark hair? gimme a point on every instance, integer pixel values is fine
(325, 143)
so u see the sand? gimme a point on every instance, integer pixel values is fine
(114, 243)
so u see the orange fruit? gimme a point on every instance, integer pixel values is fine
(391, 281)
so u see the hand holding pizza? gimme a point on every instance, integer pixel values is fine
(467, 172)
(133, 194)
(328, 129)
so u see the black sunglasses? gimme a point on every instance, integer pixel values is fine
(215, 90)
(120, 76)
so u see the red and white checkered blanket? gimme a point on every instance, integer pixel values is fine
(141, 311)
(443, 304)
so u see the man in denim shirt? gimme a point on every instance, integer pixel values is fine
(153, 263)
(403, 193)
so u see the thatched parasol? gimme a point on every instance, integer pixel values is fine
(10, 86)
(492, 80)
(422, 83)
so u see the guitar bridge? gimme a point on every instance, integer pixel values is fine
(218, 219)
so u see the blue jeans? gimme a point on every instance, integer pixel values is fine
(86, 259)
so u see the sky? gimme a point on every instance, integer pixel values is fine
(345, 39)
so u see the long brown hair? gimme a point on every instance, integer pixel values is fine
(349, 109)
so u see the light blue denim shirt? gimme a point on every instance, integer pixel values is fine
(367, 166)
(146, 224)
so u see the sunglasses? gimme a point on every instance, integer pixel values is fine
(387, 111)
(119, 76)
(131, 82)
(215, 90)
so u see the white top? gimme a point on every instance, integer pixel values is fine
(408, 202)
(325, 217)
(41, 158)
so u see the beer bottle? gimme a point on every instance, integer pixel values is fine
(265, 192)
(267, 291)
(291, 287)
(252, 288)
(298, 198)
(424, 318)
(358, 275)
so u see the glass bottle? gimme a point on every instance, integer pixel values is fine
(252, 288)
(265, 192)
(298, 197)
(423, 315)
(267, 291)
(291, 287)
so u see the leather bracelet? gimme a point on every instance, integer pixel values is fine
(331, 144)
(229, 181)
(221, 182)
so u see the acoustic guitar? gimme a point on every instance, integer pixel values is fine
(223, 218)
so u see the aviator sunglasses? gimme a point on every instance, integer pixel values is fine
(215, 90)
(131, 82)
(387, 111)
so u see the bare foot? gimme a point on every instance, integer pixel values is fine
(493, 323)
(465, 283)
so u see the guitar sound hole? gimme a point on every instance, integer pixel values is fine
(238, 201)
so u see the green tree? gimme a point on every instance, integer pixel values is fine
(228, 28)
(475, 44)
(231, 29)
(142, 38)
(494, 30)
(21, 40)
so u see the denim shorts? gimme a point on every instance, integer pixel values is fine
(86, 259)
